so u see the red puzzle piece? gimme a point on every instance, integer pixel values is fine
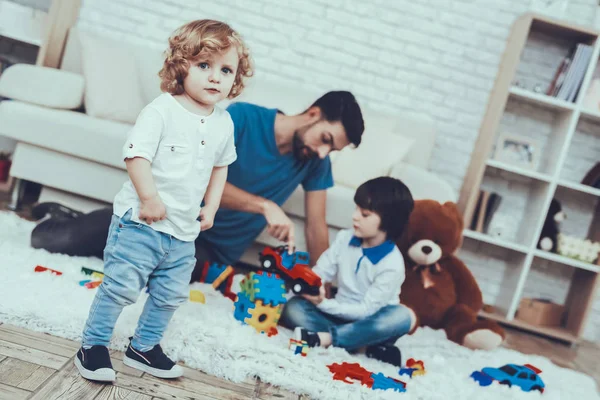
(347, 373)
(39, 268)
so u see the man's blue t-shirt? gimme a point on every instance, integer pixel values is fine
(260, 170)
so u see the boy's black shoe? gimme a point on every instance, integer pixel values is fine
(94, 364)
(54, 210)
(385, 352)
(153, 361)
(311, 338)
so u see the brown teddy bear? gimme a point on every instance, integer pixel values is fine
(439, 287)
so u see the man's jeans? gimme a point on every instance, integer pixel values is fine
(136, 255)
(385, 326)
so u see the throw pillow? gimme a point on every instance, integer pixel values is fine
(377, 154)
(112, 87)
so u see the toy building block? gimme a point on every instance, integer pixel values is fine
(348, 373)
(92, 284)
(413, 368)
(383, 382)
(263, 317)
(267, 287)
(39, 268)
(197, 296)
(298, 347)
(241, 306)
(92, 272)
(220, 276)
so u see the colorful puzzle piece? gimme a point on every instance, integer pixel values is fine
(39, 268)
(383, 382)
(197, 296)
(299, 347)
(267, 287)
(263, 317)
(241, 306)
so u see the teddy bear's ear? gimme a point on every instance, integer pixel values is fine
(452, 209)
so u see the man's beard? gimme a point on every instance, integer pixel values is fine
(300, 150)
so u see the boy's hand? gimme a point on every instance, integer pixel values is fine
(279, 225)
(152, 210)
(316, 300)
(207, 218)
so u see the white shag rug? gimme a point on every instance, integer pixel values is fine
(208, 338)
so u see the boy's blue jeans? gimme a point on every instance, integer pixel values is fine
(385, 326)
(136, 254)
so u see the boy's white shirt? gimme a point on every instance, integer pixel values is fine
(361, 292)
(182, 148)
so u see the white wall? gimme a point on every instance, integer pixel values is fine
(436, 57)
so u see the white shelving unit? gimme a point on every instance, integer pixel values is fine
(526, 193)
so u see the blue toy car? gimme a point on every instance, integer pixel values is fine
(525, 376)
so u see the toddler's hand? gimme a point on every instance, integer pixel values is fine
(207, 218)
(316, 300)
(152, 210)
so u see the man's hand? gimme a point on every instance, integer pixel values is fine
(279, 225)
(207, 218)
(152, 210)
(316, 300)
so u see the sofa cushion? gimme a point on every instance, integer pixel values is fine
(42, 86)
(340, 206)
(377, 154)
(65, 131)
(112, 87)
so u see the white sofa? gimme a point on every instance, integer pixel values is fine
(76, 154)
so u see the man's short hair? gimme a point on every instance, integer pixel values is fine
(390, 199)
(342, 106)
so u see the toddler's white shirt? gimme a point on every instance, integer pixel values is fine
(182, 148)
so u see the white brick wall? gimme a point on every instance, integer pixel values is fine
(436, 57)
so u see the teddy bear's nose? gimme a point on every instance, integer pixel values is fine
(426, 249)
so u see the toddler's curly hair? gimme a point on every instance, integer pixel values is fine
(198, 39)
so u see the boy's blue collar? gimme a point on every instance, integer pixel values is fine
(374, 254)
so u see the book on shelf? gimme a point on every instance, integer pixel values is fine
(569, 76)
(487, 204)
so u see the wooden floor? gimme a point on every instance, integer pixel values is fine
(39, 366)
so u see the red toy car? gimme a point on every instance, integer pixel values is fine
(293, 266)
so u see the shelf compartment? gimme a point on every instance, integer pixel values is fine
(582, 221)
(546, 46)
(566, 261)
(540, 99)
(579, 188)
(482, 237)
(531, 136)
(561, 284)
(583, 152)
(518, 170)
(496, 269)
(520, 210)
(559, 333)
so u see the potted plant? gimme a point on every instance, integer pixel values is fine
(4, 165)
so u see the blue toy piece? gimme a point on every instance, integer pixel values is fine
(214, 271)
(264, 286)
(289, 260)
(383, 382)
(407, 371)
(241, 306)
(524, 376)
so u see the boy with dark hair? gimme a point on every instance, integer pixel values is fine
(369, 268)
